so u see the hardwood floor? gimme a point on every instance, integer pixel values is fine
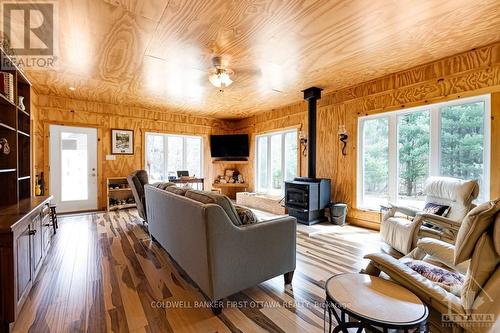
(103, 273)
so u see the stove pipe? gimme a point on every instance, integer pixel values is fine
(311, 95)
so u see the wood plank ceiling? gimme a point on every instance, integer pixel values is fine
(156, 53)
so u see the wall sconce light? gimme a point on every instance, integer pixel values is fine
(343, 138)
(303, 142)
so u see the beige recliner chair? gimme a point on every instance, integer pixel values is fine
(402, 232)
(472, 301)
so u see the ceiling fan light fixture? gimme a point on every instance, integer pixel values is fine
(221, 78)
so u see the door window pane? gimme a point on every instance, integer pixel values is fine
(462, 143)
(413, 157)
(375, 162)
(291, 155)
(262, 178)
(74, 175)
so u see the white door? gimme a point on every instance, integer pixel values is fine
(73, 168)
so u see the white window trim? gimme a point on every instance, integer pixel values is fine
(184, 149)
(256, 162)
(434, 144)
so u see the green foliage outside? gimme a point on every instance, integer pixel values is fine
(376, 155)
(461, 148)
(413, 152)
(462, 131)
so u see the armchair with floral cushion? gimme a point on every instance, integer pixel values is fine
(460, 283)
(448, 200)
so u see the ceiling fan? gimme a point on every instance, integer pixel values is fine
(220, 74)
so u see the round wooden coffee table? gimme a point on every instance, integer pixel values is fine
(374, 303)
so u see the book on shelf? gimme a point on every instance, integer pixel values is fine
(7, 85)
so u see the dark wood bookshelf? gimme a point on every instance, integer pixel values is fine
(15, 127)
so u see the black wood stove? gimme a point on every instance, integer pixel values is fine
(307, 197)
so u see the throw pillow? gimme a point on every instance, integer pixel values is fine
(162, 185)
(218, 199)
(448, 280)
(247, 216)
(177, 190)
(473, 226)
(436, 209)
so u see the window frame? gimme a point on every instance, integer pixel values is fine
(268, 136)
(184, 138)
(434, 145)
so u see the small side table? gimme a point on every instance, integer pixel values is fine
(376, 304)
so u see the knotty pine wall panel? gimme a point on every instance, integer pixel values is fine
(104, 117)
(467, 74)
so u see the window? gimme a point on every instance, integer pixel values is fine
(166, 154)
(276, 161)
(375, 158)
(399, 150)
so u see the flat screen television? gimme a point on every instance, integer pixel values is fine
(229, 147)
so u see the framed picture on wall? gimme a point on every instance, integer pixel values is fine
(122, 141)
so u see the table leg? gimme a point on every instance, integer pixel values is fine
(343, 327)
(329, 319)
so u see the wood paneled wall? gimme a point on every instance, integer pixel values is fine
(471, 73)
(466, 74)
(104, 117)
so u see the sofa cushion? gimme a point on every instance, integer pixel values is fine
(400, 233)
(448, 280)
(427, 290)
(177, 190)
(442, 252)
(218, 199)
(496, 234)
(456, 193)
(483, 264)
(473, 226)
(246, 215)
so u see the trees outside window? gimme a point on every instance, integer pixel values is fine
(400, 150)
(413, 155)
(375, 160)
(462, 142)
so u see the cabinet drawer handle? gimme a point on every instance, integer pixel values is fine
(32, 232)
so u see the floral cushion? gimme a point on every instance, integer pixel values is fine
(246, 215)
(448, 280)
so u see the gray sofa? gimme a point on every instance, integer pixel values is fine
(219, 256)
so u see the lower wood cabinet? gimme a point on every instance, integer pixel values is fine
(36, 242)
(23, 262)
(23, 247)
